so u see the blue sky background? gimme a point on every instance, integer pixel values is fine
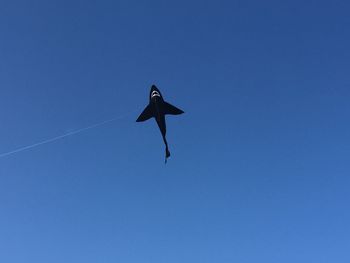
(260, 161)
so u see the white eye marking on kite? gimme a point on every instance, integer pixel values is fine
(155, 94)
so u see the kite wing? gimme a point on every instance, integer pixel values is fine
(172, 110)
(146, 114)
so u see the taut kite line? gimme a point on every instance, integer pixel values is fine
(60, 136)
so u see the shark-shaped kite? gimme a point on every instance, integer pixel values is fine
(158, 108)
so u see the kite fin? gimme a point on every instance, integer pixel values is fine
(172, 110)
(146, 114)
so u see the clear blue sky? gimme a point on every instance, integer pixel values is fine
(260, 168)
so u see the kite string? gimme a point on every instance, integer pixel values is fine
(59, 137)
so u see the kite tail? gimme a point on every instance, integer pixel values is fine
(167, 152)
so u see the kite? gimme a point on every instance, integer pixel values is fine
(158, 108)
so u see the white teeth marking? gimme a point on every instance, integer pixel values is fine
(155, 94)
